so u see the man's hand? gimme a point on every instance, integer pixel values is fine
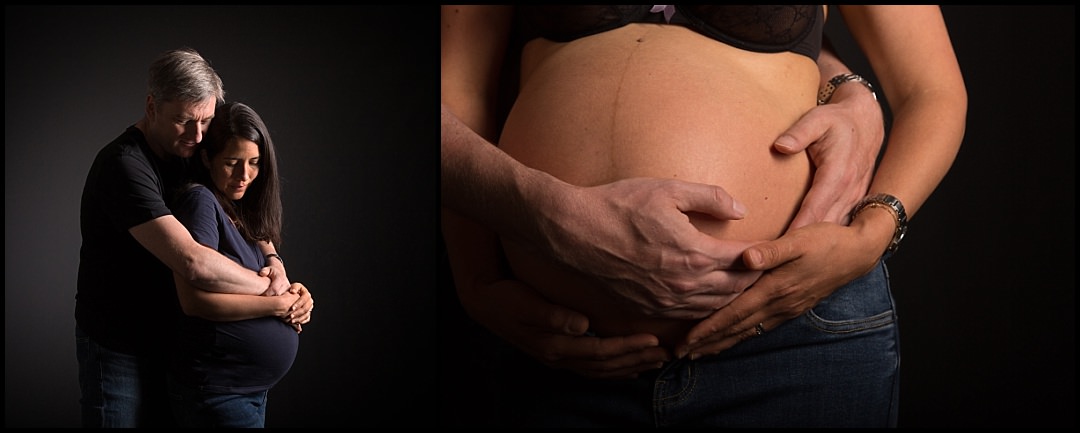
(636, 237)
(556, 336)
(843, 139)
(279, 282)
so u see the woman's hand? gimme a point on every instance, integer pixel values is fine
(299, 306)
(556, 336)
(802, 267)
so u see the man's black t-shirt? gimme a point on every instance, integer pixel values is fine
(126, 300)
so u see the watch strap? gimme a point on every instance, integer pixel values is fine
(826, 92)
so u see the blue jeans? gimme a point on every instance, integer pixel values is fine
(201, 409)
(119, 389)
(837, 365)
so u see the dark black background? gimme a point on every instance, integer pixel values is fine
(984, 282)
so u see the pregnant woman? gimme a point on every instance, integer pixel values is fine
(700, 93)
(232, 348)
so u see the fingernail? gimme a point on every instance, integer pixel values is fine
(785, 142)
(752, 258)
(739, 207)
(681, 353)
(694, 356)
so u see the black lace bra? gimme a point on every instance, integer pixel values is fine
(759, 28)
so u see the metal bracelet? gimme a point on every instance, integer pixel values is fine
(826, 92)
(894, 205)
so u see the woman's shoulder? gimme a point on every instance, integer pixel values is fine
(193, 194)
(195, 189)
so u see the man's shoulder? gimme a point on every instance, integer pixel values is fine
(127, 145)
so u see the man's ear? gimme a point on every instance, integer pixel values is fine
(151, 111)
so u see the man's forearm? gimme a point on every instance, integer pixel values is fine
(214, 272)
(168, 240)
(483, 183)
(829, 63)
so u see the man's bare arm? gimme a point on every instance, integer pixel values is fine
(168, 240)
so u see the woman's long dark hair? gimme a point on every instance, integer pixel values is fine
(259, 212)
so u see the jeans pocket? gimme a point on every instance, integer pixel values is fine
(865, 303)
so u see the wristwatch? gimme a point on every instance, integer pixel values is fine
(275, 256)
(825, 94)
(893, 204)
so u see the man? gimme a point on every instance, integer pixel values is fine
(126, 299)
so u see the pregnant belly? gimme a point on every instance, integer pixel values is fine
(655, 110)
(235, 357)
(258, 351)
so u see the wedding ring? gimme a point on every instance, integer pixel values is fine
(759, 328)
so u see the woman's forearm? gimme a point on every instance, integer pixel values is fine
(912, 54)
(225, 307)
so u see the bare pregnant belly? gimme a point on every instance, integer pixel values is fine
(658, 101)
